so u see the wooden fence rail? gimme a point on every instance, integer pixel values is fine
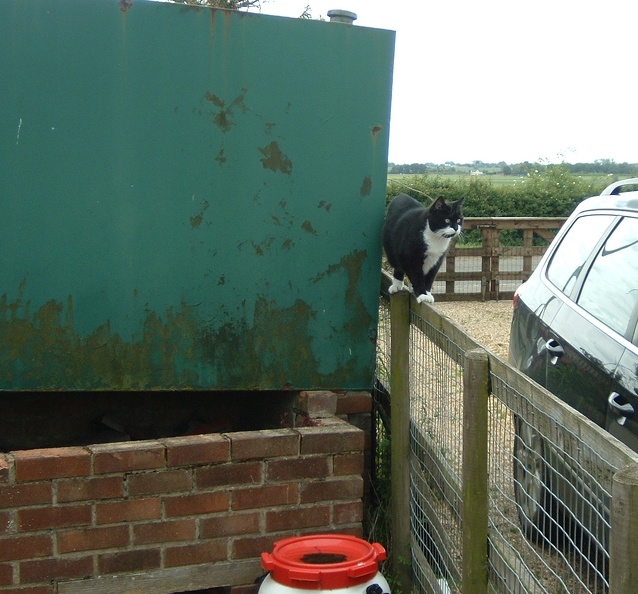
(493, 270)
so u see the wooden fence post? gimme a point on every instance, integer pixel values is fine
(623, 548)
(400, 437)
(475, 482)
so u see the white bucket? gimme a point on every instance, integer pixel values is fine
(339, 563)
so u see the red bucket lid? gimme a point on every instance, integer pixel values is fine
(324, 561)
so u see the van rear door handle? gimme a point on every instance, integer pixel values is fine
(619, 405)
(555, 350)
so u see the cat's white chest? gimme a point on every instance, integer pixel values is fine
(437, 246)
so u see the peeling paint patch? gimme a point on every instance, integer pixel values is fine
(43, 351)
(196, 220)
(375, 131)
(221, 157)
(276, 349)
(308, 228)
(214, 99)
(366, 186)
(224, 118)
(182, 347)
(125, 5)
(274, 159)
(359, 321)
(325, 205)
(260, 248)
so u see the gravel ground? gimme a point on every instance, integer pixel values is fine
(487, 322)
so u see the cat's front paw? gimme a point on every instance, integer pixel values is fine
(396, 286)
(425, 298)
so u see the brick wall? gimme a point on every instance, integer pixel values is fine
(175, 514)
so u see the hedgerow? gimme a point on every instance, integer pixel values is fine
(545, 192)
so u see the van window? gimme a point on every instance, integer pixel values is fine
(574, 250)
(610, 291)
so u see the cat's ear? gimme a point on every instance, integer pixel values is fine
(459, 202)
(438, 204)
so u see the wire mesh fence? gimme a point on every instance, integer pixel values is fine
(549, 473)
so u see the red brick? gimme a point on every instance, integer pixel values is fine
(335, 422)
(237, 473)
(168, 481)
(332, 490)
(25, 495)
(351, 463)
(25, 547)
(4, 469)
(136, 560)
(165, 531)
(347, 513)
(197, 449)
(362, 421)
(336, 438)
(356, 530)
(5, 520)
(291, 469)
(247, 547)
(50, 463)
(196, 504)
(6, 574)
(128, 511)
(206, 552)
(298, 518)
(354, 402)
(232, 524)
(45, 570)
(317, 404)
(71, 541)
(128, 456)
(270, 443)
(90, 489)
(45, 518)
(266, 496)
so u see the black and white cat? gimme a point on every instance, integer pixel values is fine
(416, 238)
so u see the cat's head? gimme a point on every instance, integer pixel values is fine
(446, 218)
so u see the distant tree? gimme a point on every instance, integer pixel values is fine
(601, 167)
(228, 4)
(237, 5)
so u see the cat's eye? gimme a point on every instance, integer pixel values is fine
(447, 221)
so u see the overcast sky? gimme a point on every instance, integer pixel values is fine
(505, 80)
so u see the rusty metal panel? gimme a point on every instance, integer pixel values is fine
(191, 198)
